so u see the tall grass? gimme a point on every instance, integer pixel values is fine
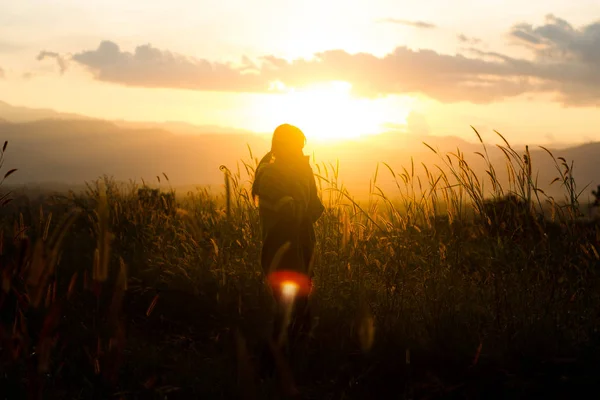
(413, 288)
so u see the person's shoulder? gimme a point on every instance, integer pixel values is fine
(266, 167)
(270, 171)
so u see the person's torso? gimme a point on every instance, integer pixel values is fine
(284, 179)
(280, 181)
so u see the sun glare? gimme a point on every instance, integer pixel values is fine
(289, 289)
(329, 111)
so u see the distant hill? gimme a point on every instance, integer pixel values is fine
(24, 114)
(72, 151)
(76, 151)
(183, 128)
(16, 114)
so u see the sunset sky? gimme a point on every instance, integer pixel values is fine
(334, 68)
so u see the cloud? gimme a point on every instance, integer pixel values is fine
(468, 40)
(414, 24)
(564, 61)
(152, 67)
(60, 60)
(567, 57)
(406, 71)
(520, 33)
(444, 77)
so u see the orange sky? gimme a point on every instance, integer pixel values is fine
(336, 70)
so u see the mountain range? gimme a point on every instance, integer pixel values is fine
(51, 148)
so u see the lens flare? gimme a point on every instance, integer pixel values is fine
(289, 289)
(289, 284)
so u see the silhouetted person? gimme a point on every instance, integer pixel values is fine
(289, 206)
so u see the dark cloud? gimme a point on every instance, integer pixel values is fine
(414, 24)
(444, 77)
(521, 34)
(559, 41)
(60, 60)
(567, 58)
(151, 67)
(565, 62)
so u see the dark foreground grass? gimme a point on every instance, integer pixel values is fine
(451, 288)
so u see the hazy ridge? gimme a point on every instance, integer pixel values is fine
(51, 148)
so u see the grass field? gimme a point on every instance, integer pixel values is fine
(451, 288)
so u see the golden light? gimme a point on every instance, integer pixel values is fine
(329, 111)
(289, 290)
(287, 285)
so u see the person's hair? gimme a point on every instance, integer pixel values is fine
(287, 136)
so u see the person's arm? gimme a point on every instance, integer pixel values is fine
(258, 172)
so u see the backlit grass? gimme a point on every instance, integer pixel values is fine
(451, 285)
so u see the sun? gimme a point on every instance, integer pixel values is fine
(329, 111)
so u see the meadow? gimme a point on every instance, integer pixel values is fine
(453, 287)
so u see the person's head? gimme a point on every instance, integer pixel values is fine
(288, 141)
